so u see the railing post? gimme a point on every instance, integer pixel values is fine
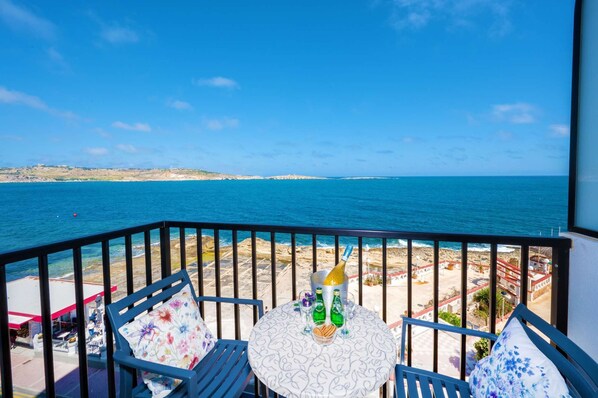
(560, 289)
(183, 248)
(384, 277)
(314, 252)
(524, 267)
(165, 250)
(5, 364)
(463, 308)
(217, 281)
(436, 300)
(493, 280)
(46, 312)
(254, 286)
(236, 284)
(147, 241)
(360, 269)
(273, 266)
(294, 266)
(129, 265)
(107, 326)
(81, 319)
(409, 296)
(199, 243)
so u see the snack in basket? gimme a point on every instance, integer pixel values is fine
(325, 330)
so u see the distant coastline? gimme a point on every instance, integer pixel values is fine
(43, 173)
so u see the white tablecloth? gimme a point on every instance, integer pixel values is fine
(294, 365)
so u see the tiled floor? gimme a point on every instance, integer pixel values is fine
(29, 379)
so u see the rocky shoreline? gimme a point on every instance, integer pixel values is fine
(372, 259)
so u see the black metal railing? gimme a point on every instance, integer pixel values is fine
(253, 270)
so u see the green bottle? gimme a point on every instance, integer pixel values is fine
(336, 312)
(319, 313)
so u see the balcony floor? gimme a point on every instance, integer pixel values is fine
(28, 375)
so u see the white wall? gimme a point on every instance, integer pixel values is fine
(583, 276)
(583, 293)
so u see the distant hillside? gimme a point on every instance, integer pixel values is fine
(67, 173)
(42, 173)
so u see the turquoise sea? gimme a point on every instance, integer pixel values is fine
(38, 213)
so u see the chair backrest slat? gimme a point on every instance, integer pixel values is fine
(148, 291)
(150, 302)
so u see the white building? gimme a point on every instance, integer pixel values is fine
(24, 311)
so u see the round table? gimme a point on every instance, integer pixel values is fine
(294, 365)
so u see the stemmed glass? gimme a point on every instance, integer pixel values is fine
(348, 314)
(306, 301)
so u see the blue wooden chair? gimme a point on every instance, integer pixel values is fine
(577, 368)
(223, 372)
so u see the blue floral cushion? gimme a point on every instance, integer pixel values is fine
(173, 334)
(516, 368)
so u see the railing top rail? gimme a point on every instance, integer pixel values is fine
(33, 252)
(557, 242)
(36, 251)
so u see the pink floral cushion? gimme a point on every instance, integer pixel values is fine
(172, 334)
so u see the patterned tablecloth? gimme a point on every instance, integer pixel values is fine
(294, 365)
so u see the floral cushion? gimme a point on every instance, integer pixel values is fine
(172, 334)
(516, 368)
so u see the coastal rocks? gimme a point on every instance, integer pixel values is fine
(396, 262)
(294, 177)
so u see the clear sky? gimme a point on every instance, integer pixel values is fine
(328, 88)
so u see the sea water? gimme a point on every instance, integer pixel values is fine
(40, 213)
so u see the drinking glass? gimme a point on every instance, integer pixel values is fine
(306, 301)
(348, 314)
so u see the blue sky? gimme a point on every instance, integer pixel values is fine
(328, 88)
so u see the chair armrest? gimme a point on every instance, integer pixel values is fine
(256, 303)
(165, 370)
(439, 326)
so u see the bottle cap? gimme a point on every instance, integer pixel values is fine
(337, 292)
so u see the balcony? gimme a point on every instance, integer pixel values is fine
(424, 275)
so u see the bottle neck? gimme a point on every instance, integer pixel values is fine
(347, 253)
